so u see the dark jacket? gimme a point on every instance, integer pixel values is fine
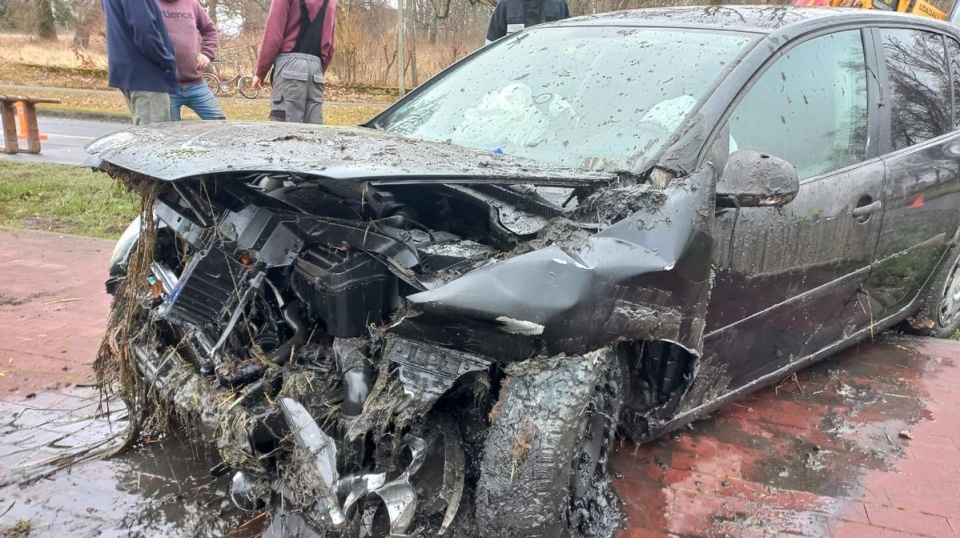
(514, 15)
(283, 28)
(139, 51)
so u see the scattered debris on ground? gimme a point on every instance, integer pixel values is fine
(21, 529)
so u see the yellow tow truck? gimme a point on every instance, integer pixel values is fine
(916, 7)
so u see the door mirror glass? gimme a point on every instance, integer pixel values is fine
(753, 179)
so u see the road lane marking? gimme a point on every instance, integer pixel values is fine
(71, 136)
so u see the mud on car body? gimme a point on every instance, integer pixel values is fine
(437, 322)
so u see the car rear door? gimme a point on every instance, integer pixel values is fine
(920, 144)
(787, 280)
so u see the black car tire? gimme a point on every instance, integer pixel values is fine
(939, 314)
(544, 463)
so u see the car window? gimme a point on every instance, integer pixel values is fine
(953, 53)
(590, 97)
(810, 107)
(920, 100)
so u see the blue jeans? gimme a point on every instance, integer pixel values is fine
(196, 97)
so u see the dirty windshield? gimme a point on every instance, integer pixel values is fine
(586, 97)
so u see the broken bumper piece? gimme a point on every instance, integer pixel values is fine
(428, 371)
(321, 451)
(432, 482)
(399, 497)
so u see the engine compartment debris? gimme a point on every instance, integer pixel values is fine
(348, 345)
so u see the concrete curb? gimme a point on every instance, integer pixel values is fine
(85, 115)
(14, 230)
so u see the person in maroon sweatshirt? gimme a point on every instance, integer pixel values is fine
(299, 49)
(194, 38)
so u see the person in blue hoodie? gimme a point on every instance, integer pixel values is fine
(140, 58)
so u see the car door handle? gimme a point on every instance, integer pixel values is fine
(869, 209)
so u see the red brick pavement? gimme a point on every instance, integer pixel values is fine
(865, 444)
(52, 309)
(821, 455)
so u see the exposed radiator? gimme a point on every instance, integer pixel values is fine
(207, 288)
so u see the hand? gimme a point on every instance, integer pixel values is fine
(202, 62)
(256, 84)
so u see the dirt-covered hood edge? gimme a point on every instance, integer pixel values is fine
(173, 151)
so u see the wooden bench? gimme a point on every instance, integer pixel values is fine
(8, 107)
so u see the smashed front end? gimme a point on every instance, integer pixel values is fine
(345, 338)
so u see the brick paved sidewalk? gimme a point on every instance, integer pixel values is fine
(53, 309)
(865, 444)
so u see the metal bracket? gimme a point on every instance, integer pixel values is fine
(427, 371)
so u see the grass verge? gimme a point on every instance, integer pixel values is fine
(111, 104)
(61, 198)
(79, 201)
(79, 78)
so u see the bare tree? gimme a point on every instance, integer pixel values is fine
(440, 11)
(254, 15)
(46, 25)
(212, 6)
(413, 45)
(91, 21)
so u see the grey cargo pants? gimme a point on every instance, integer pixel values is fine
(297, 89)
(147, 107)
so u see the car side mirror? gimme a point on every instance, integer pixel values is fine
(754, 179)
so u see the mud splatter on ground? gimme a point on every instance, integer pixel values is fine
(800, 458)
(162, 488)
(819, 455)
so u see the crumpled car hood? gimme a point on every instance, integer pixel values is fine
(645, 277)
(173, 151)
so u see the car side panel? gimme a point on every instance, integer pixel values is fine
(922, 193)
(921, 215)
(787, 281)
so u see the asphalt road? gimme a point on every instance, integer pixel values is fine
(66, 139)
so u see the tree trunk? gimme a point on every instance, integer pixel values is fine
(91, 22)
(440, 10)
(46, 26)
(401, 57)
(432, 29)
(414, 82)
(212, 10)
(254, 19)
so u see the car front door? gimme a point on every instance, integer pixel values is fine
(921, 148)
(787, 279)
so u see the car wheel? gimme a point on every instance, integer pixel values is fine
(212, 82)
(544, 463)
(939, 316)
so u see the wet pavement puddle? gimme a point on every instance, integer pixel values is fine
(161, 488)
(803, 458)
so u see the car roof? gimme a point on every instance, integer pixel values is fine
(757, 19)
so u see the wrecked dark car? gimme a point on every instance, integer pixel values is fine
(436, 323)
